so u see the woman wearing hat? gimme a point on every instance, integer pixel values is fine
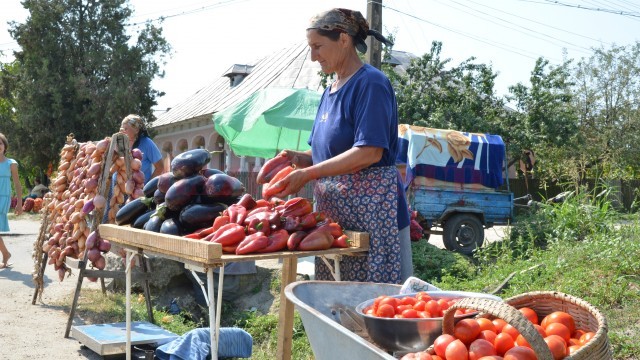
(353, 150)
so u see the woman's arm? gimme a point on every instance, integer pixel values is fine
(17, 187)
(158, 168)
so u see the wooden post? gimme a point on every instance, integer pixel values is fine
(285, 317)
(374, 17)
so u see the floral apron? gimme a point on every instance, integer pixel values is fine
(365, 201)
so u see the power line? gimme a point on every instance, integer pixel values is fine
(611, 11)
(544, 36)
(540, 23)
(499, 45)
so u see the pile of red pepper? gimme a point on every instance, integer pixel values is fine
(261, 226)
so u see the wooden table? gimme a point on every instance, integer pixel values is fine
(206, 256)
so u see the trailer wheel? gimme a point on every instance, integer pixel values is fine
(463, 233)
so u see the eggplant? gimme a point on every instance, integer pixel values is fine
(132, 210)
(190, 162)
(154, 223)
(158, 197)
(182, 192)
(171, 226)
(223, 186)
(150, 187)
(198, 216)
(139, 222)
(165, 181)
(208, 172)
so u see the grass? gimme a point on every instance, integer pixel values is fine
(577, 247)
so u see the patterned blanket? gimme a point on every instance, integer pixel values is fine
(451, 156)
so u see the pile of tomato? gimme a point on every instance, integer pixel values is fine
(419, 305)
(485, 339)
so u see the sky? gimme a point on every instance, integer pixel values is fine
(209, 36)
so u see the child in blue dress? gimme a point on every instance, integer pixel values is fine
(8, 173)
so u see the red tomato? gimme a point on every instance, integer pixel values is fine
(491, 357)
(486, 324)
(530, 314)
(424, 315)
(444, 304)
(401, 308)
(385, 310)
(573, 348)
(466, 330)
(520, 353)
(560, 317)
(558, 329)
(389, 300)
(557, 346)
(441, 343)
(419, 305)
(408, 300)
(456, 350)
(499, 324)
(488, 335)
(417, 356)
(511, 330)
(480, 348)
(540, 330)
(503, 343)
(410, 314)
(521, 341)
(433, 308)
(423, 296)
(586, 337)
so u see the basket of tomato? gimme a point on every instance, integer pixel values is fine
(411, 322)
(540, 325)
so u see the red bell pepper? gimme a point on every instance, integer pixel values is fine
(274, 186)
(230, 249)
(252, 243)
(277, 241)
(261, 203)
(194, 236)
(297, 206)
(271, 216)
(247, 201)
(255, 225)
(271, 167)
(341, 242)
(237, 213)
(334, 228)
(294, 239)
(318, 240)
(229, 234)
(219, 221)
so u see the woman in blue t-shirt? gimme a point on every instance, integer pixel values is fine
(136, 130)
(353, 150)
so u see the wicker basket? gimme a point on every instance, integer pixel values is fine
(543, 303)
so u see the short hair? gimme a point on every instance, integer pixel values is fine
(5, 142)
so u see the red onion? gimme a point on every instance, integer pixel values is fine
(129, 186)
(91, 241)
(136, 164)
(104, 245)
(138, 176)
(99, 201)
(93, 255)
(100, 263)
(103, 145)
(88, 207)
(136, 153)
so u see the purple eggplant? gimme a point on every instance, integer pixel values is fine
(150, 187)
(171, 226)
(154, 223)
(223, 186)
(130, 211)
(208, 172)
(158, 197)
(190, 162)
(198, 216)
(139, 222)
(182, 192)
(165, 181)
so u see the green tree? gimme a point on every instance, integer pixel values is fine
(546, 120)
(461, 97)
(80, 72)
(607, 96)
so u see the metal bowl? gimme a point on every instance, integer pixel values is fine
(411, 335)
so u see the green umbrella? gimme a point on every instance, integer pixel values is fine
(268, 121)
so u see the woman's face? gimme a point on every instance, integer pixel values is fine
(329, 54)
(130, 131)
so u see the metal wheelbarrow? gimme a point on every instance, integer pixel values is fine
(334, 329)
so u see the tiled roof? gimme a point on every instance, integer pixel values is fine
(289, 67)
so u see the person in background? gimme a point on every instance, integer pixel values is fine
(354, 142)
(8, 173)
(38, 190)
(136, 130)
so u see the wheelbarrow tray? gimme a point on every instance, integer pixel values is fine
(334, 329)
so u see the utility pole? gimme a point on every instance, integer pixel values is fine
(374, 17)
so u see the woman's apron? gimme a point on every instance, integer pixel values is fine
(366, 201)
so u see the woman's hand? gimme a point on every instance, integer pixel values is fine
(293, 182)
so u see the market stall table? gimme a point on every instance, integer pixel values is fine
(206, 256)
